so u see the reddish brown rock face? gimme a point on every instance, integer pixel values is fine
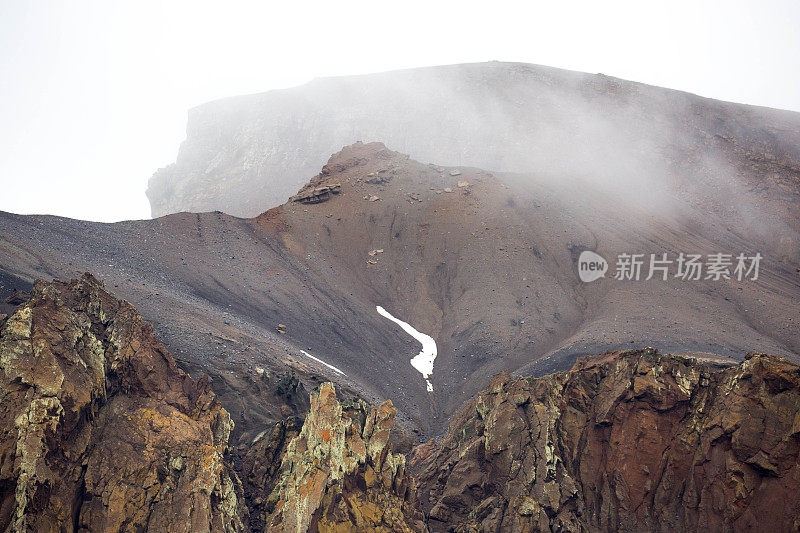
(628, 441)
(100, 429)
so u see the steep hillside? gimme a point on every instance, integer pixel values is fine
(482, 264)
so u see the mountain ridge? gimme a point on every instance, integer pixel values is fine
(488, 269)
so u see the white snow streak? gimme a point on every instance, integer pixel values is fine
(323, 362)
(423, 361)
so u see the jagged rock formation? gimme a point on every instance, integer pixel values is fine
(246, 154)
(100, 429)
(626, 441)
(337, 473)
(261, 466)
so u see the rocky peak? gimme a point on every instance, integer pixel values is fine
(339, 473)
(357, 154)
(323, 185)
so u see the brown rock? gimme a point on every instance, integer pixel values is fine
(101, 430)
(626, 441)
(314, 195)
(380, 177)
(337, 474)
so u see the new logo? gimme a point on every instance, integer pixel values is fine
(591, 266)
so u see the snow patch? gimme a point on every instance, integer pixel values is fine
(322, 362)
(423, 361)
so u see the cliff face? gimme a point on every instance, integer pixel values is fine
(246, 154)
(337, 473)
(100, 430)
(630, 441)
(625, 441)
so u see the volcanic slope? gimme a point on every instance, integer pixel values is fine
(484, 264)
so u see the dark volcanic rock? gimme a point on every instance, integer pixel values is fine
(627, 441)
(17, 297)
(100, 429)
(13, 291)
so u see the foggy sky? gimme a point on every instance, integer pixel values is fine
(93, 95)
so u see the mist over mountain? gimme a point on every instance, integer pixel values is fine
(397, 332)
(246, 154)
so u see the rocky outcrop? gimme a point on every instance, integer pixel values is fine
(627, 441)
(316, 195)
(101, 431)
(337, 473)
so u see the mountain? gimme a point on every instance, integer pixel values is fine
(483, 264)
(246, 154)
(406, 341)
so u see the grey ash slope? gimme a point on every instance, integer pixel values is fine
(215, 291)
(486, 269)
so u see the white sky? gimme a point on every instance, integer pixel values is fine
(94, 94)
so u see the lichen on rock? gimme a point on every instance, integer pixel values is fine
(626, 441)
(339, 473)
(101, 430)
